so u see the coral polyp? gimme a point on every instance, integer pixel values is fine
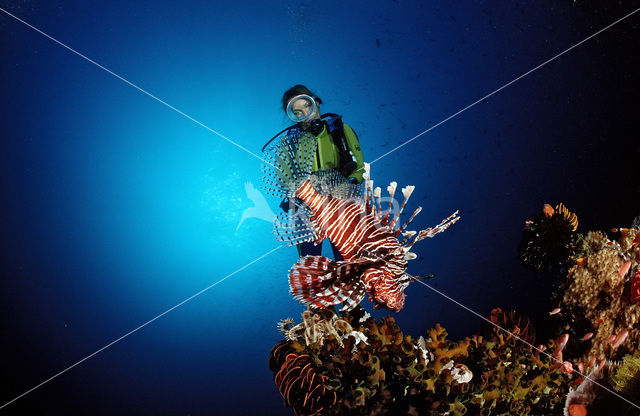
(600, 288)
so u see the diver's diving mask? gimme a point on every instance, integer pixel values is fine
(301, 108)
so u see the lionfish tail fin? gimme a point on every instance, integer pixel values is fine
(289, 161)
(320, 282)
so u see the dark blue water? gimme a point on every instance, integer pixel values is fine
(115, 208)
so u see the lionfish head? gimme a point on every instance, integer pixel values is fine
(392, 301)
(396, 302)
(392, 296)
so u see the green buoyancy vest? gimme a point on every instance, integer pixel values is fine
(328, 154)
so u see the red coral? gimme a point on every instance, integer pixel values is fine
(511, 320)
(302, 387)
(635, 287)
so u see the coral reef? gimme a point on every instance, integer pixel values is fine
(354, 365)
(549, 239)
(375, 369)
(599, 289)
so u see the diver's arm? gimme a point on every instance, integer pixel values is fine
(354, 145)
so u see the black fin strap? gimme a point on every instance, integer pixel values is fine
(277, 134)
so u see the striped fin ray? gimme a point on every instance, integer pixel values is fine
(406, 192)
(309, 276)
(377, 193)
(368, 190)
(369, 201)
(430, 232)
(406, 236)
(406, 224)
(392, 191)
(357, 294)
(290, 161)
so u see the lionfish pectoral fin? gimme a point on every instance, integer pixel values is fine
(311, 279)
(330, 182)
(355, 296)
(320, 282)
(288, 162)
(293, 228)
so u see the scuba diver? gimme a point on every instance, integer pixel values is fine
(338, 146)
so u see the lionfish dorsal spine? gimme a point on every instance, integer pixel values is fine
(406, 193)
(368, 189)
(377, 193)
(368, 196)
(392, 191)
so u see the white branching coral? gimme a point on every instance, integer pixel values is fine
(315, 329)
(422, 346)
(460, 373)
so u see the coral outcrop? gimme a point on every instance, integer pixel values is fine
(599, 288)
(354, 365)
(375, 369)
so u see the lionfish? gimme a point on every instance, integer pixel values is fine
(327, 205)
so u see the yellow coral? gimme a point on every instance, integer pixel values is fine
(628, 371)
(443, 349)
(457, 409)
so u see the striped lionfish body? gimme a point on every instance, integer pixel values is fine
(375, 260)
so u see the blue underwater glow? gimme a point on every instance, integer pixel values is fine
(116, 208)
